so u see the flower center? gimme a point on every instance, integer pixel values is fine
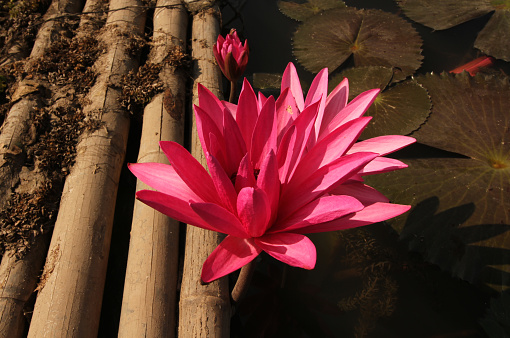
(496, 164)
(354, 47)
(501, 4)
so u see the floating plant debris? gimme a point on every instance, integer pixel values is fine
(303, 11)
(399, 109)
(444, 14)
(474, 66)
(460, 217)
(372, 37)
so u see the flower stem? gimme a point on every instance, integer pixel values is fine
(233, 87)
(243, 282)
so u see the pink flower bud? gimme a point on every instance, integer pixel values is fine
(231, 55)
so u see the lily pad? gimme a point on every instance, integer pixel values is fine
(307, 9)
(461, 211)
(470, 117)
(267, 80)
(399, 109)
(372, 37)
(444, 14)
(492, 40)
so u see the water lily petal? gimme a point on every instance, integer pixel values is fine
(220, 219)
(321, 210)
(219, 43)
(262, 100)
(293, 249)
(269, 183)
(210, 105)
(245, 176)
(318, 89)
(232, 254)
(382, 165)
(362, 192)
(286, 112)
(190, 170)
(286, 154)
(210, 136)
(374, 213)
(247, 104)
(335, 102)
(217, 149)
(224, 186)
(382, 145)
(242, 60)
(264, 134)
(356, 108)
(318, 92)
(304, 124)
(290, 80)
(302, 190)
(235, 147)
(332, 146)
(232, 108)
(254, 210)
(163, 178)
(174, 207)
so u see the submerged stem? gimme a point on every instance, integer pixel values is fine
(243, 282)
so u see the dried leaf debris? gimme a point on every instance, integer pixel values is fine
(62, 77)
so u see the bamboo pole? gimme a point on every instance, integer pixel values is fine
(149, 301)
(18, 277)
(71, 289)
(26, 99)
(91, 16)
(204, 310)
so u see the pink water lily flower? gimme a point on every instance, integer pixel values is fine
(277, 170)
(231, 55)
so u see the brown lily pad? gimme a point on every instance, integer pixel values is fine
(303, 11)
(470, 116)
(398, 109)
(371, 37)
(492, 40)
(267, 80)
(444, 14)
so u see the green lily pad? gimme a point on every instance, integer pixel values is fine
(399, 109)
(303, 11)
(461, 211)
(444, 14)
(372, 37)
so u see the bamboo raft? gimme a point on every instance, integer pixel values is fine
(66, 268)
